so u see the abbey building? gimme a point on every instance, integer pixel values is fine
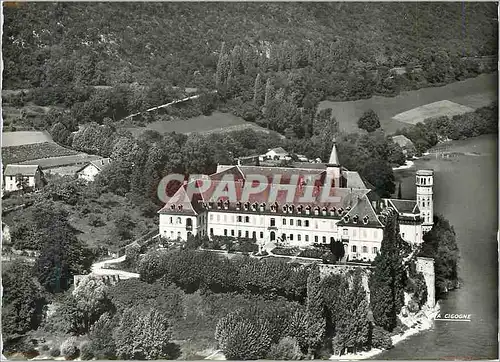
(356, 216)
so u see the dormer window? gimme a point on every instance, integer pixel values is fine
(211, 205)
(172, 207)
(340, 211)
(355, 218)
(348, 208)
(323, 211)
(179, 207)
(226, 204)
(308, 210)
(219, 204)
(365, 219)
(238, 205)
(285, 208)
(247, 205)
(291, 209)
(254, 206)
(262, 207)
(300, 208)
(274, 207)
(346, 218)
(332, 211)
(316, 210)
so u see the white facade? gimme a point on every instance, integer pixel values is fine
(88, 173)
(178, 226)
(362, 243)
(425, 182)
(11, 183)
(92, 169)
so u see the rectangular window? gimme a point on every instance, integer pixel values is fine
(354, 233)
(224, 217)
(316, 238)
(284, 221)
(324, 239)
(211, 217)
(239, 233)
(218, 217)
(247, 218)
(299, 222)
(307, 238)
(345, 232)
(246, 234)
(291, 222)
(239, 218)
(211, 231)
(365, 250)
(232, 232)
(225, 232)
(353, 248)
(291, 237)
(273, 222)
(306, 223)
(299, 237)
(261, 235)
(375, 250)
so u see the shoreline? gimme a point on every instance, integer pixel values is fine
(423, 320)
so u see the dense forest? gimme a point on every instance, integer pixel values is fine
(106, 44)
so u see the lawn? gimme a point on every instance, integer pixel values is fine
(33, 151)
(217, 122)
(10, 139)
(432, 110)
(474, 93)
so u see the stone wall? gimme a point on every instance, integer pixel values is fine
(426, 267)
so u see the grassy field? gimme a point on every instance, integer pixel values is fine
(475, 92)
(20, 138)
(217, 122)
(432, 110)
(33, 151)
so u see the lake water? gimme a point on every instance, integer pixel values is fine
(466, 193)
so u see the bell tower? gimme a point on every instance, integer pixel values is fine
(333, 171)
(425, 182)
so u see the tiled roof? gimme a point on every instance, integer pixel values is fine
(404, 206)
(180, 204)
(354, 180)
(402, 141)
(243, 172)
(25, 170)
(101, 163)
(346, 198)
(279, 150)
(362, 214)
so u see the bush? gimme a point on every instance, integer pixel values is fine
(45, 348)
(69, 349)
(286, 349)
(285, 251)
(381, 338)
(95, 220)
(86, 352)
(55, 352)
(312, 253)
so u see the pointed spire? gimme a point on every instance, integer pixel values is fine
(334, 159)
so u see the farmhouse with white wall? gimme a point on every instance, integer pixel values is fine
(92, 169)
(17, 175)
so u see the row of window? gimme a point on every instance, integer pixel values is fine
(178, 221)
(364, 249)
(274, 208)
(246, 219)
(289, 237)
(424, 180)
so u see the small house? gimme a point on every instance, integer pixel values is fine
(276, 154)
(406, 145)
(23, 177)
(92, 169)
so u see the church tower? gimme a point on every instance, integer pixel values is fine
(424, 182)
(333, 171)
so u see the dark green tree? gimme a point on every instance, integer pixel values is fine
(369, 121)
